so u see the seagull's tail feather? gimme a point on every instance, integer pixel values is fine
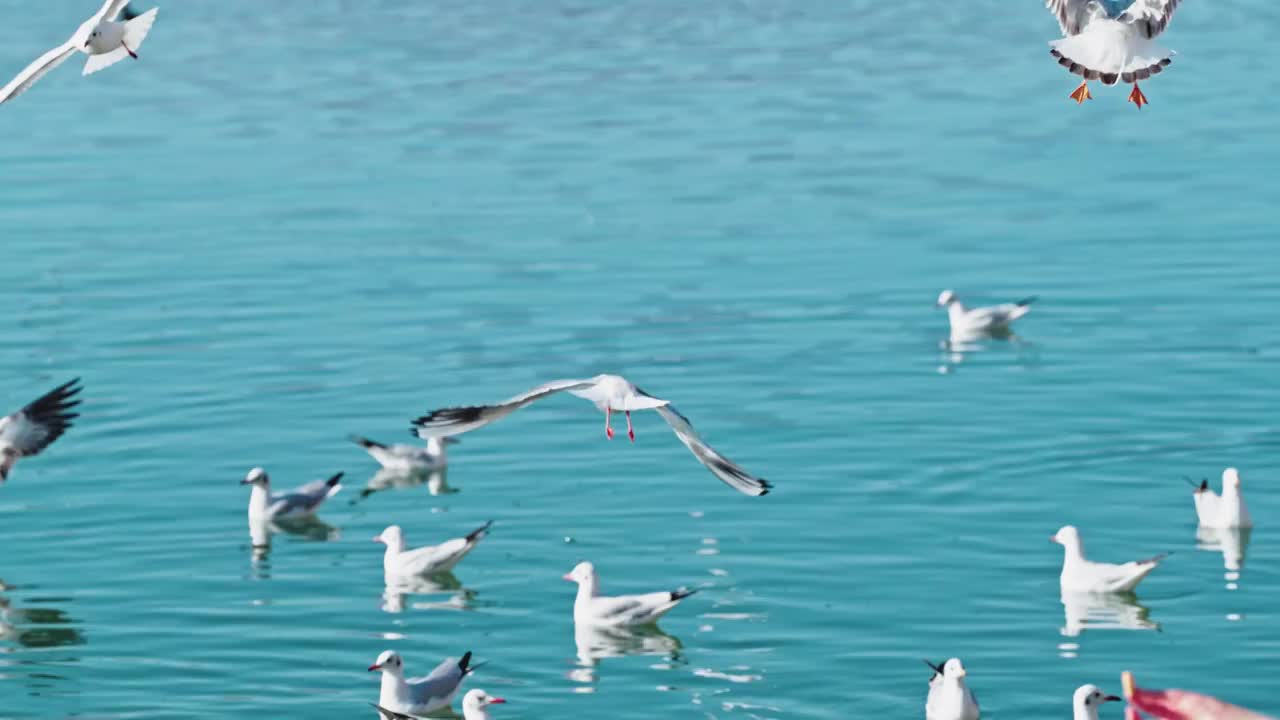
(465, 664)
(335, 484)
(1110, 52)
(480, 532)
(365, 442)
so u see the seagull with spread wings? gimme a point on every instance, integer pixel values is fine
(103, 37)
(610, 394)
(1112, 41)
(33, 428)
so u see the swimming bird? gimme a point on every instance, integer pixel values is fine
(1222, 511)
(399, 562)
(475, 704)
(1085, 702)
(432, 456)
(949, 697)
(102, 37)
(419, 696)
(33, 428)
(610, 394)
(300, 501)
(590, 607)
(1082, 575)
(1112, 41)
(975, 321)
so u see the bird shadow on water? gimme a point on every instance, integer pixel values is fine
(436, 481)
(398, 590)
(1101, 611)
(597, 643)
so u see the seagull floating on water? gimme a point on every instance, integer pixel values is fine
(399, 562)
(592, 608)
(610, 394)
(432, 456)
(1082, 575)
(949, 697)
(976, 321)
(300, 501)
(33, 428)
(1222, 511)
(1085, 702)
(102, 37)
(1112, 41)
(475, 704)
(419, 696)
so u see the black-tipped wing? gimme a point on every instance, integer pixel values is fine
(36, 426)
(1151, 16)
(457, 420)
(306, 498)
(721, 466)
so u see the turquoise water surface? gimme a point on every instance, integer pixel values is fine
(294, 220)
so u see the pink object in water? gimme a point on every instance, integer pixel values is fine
(1179, 704)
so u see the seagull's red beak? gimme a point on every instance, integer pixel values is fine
(1054, 539)
(374, 666)
(496, 701)
(567, 577)
(378, 539)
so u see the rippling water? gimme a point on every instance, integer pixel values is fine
(289, 223)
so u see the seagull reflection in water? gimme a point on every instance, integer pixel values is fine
(35, 627)
(1104, 611)
(594, 643)
(437, 482)
(397, 588)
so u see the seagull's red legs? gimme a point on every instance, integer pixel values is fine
(608, 431)
(1137, 98)
(630, 433)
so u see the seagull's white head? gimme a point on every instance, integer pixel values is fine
(256, 476)
(388, 662)
(476, 700)
(1089, 696)
(1067, 536)
(953, 669)
(946, 298)
(1231, 479)
(583, 572)
(391, 537)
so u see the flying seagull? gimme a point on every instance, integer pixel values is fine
(1112, 41)
(610, 394)
(103, 37)
(34, 427)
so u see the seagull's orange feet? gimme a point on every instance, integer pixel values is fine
(608, 430)
(1137, 98)
(1081, 93)
(630, 433)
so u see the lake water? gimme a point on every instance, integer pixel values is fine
(296, 220)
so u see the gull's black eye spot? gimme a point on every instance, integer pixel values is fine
(1088, 700)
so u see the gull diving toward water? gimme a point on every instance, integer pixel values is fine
(1112, 41)
(1085, 702)
(104, 38)
(300, 501)
(419, 696)
(610, 394)
(431, 456)
(1085, 576)
(592, 608)
(967, 322)
(33, 428)
(949, 697)
(430, 560)
(1222, 511)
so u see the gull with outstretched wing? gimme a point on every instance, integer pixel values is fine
(1112, 41)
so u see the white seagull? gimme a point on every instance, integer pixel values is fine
(1112, 41)
(949, 697)
(431, 456)
(419, 696)
(967, 322)
(300, 501)
(1222, 511)
(430, 560)
(102, 37)
(1086, 700)
(610, 394)
(475, 704)
(592, 608)
(1081, 575)
(33, 428)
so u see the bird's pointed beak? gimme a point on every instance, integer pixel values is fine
(374, 666)
(246, 481)
(1112, 698)
(567, 576)
(1054, 539)
(496, 701)
(961, 673)
(378, 539)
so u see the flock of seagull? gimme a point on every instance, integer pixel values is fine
(33, 428)
(1102, 40)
